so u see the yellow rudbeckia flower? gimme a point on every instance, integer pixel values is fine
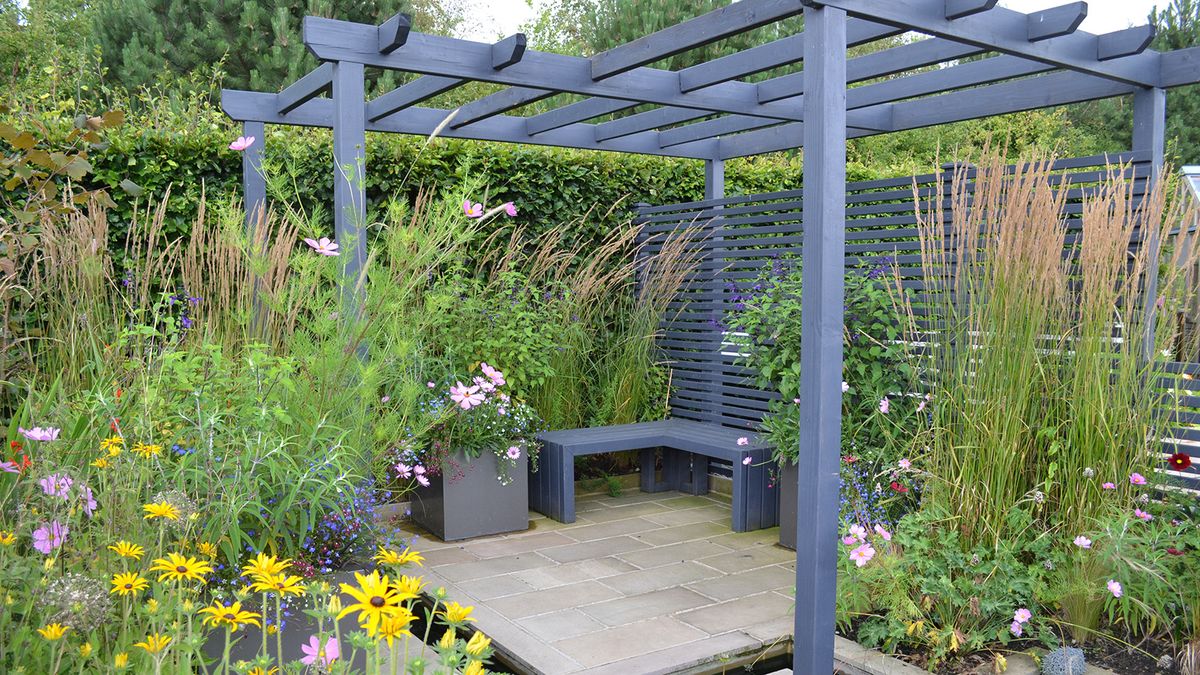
(233, 616)
(160, 510)
(392, 627)
(264, 565)
(278, 583)
(456, 615)
(128, 583)
(478, 644)
(376, 599)
(53, 631)
(154, 644)
(176, 567)
(127, 549)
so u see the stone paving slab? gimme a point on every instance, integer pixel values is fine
(642, 583)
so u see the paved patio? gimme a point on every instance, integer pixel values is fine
(641, 583)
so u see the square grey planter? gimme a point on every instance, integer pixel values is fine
(472, 502)
(788, 477)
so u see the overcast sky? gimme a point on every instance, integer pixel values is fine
(490, 18)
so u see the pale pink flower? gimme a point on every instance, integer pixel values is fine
(466, 397)
(39, 434)
(1109, 486)
(1114, 587)
(1083, 542)
(862, 555)
(879, 530)
(743, 441)
(1138, 513)
(858, 532)
(403, 470)
(1137, 479)
(473, 210)
(241, 143)
(885, 405)
(511, 209)
(49, 537)
(1022, 615)
(385, 399)
(849, 540)
(493, 374)
(745, 461)
(58, 485)
(422, 480)
(484, 384)
(924, 401)
(419, 470)
(514, 452)
(314, 653)
(905, 464)
(501, 410)
(845, 386)
(430, 385)
(1016, 629)
(10, 467)
(324, 246)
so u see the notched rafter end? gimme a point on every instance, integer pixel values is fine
(1125, 42)
(508, 51)
(393, 33)
(957, 9)
(1056, 21)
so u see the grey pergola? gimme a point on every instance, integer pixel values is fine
(1030, 61)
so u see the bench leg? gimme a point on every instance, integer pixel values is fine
(552, 488)
(697, 483)
(676, 469)
(755, 498)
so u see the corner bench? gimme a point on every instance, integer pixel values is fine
(686, 445)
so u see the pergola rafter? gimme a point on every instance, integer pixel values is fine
(708, 112)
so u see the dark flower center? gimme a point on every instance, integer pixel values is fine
(181, 569)
(229, 617)
(128, 586)
(378, 601)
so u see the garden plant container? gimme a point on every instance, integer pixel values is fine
(468, 500)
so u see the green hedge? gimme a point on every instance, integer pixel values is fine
(551, 186)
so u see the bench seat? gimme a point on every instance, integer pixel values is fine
(686, 445)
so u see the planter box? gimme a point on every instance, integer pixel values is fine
(788, 477)
(474, 504)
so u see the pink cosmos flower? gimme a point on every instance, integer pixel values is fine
(858, 532)
(56, 484)
(746, 461)
(314, 652)
(1083, 542)
(493, 374)
(422, 480)
(885, 405)
(845, 386)
(242, 143)
(924, 401)
(1109, 486)
(1138, 513)
(849, 541)
(1016, 629)
(323, 247)
(473, 210)
(88, 499)
(1022, 615)
(1114, 587)
(514, 452)
(385, 399)
(10, 467)
(49, 537)
(1137, 479)
(466, 397)
(501, 410)
(862, 555)
(510, 209)
(39, 434)
(905, 464)
(430, 385)
(419, 470)
(879, 530)
(743, 441)
(484, 384)
(403, 470)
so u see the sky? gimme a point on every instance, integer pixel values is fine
(490, 18)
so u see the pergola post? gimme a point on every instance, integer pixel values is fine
(714, 178)
(349, 181)
(1149, 135)
(254, 184)
(821, 335)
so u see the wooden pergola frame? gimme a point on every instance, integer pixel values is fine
(1034, 60)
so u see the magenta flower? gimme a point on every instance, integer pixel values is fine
(492, 374)
(1138, 513)
(1114, 587)
(1109, 486)
(862, 555)
(514, 452)
(323, 247)
(1022, 615)
(1016, 629)
(473, 210)
(905, 464)
(313, 652)
(743, 441)
(885, 405)
(39, 434)
(466, 397)
(49, 537)
(1137, 479)
(879, 530)
(430, 385)
(510, 209)
(924, 401)
(849, 540)
(58, 485)
(422, 480)
(241, 143)
(88, 499)
(1083, 542)
(403, 470)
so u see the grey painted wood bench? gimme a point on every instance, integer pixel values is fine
(687, 445)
